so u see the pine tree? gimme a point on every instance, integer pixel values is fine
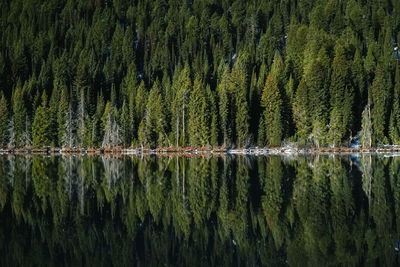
(142, 134)
(242, 119)
(131, 115)
(358, 73)
(214, 130)
(11, 135)
(366, 128)
(168, 97)
(225, 107)
(379, 94)
(127, 47)
(130, 82)
(211, 118)
(301, 112)
(273, 107)
(394, 126)
(112, 132)
(154, 123)
(27, 134)
(81, 115)
(63, 107)
(360, 86)
(290, 91)
(53, 112)
(254, 103)
(69, 138)
(87, 138)
(182, 86)
(198, 115)
(318, 94)
(41, 128)
(261, 139)
(104, 117)
(126, 126)
(97, 126)
(370, 62)
(19, 116)
(4, 121)
(117, 53)
(342, 97)
(140, 102)
(110, 123)
(113, 96)
(238, 87)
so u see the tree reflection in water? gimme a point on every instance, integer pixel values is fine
(219, 211)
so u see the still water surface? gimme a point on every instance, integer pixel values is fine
(199, 211)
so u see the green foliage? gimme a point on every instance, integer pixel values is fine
(199, 117)
(182, 86)
(306, 211)
(19, 116)
(41, 180)
(379, 94)
(272, 102)
(4, 121)
(41, 128)
(53, 112)
(126, 125)
(152, 128)
(366, 128)
(334, 57)
(394, 123)
(301, 112)
(238, 88)
(224, 108)
(272, 200)
(63, 106)
(317, 84)
(342, 95)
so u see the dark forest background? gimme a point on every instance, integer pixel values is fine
(199, 73)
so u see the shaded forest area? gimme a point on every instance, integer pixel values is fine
(199, 73)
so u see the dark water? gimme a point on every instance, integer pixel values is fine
(218, 211)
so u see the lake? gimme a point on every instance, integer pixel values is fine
(199, 211)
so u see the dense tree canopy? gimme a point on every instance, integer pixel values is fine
(198, 73)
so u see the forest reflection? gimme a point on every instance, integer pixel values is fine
(180, 211)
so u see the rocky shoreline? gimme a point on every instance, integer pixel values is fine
(190, 150)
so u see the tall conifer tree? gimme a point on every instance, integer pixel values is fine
(4, 121)
(273, 106)
(379, 93)
(41, 128)
(394, 126)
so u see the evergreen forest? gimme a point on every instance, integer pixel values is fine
(199, 73)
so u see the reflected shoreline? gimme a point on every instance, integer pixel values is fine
(199, 210)
(195, 152)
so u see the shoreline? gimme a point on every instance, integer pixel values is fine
(255, 151)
